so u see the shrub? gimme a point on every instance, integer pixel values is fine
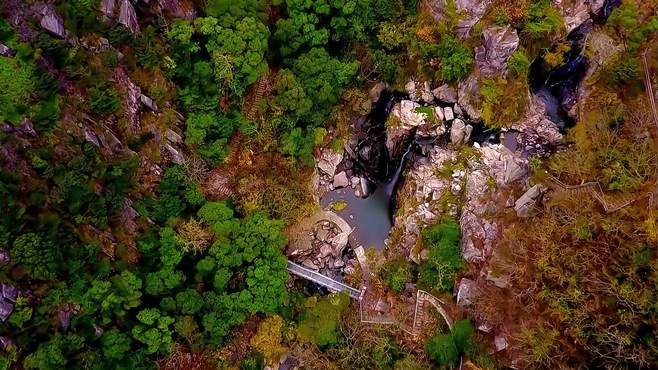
(456, 58)
(442, 350)
(519, 64)
(397, 273)
(543, 20)
(104, 99)
(444, 259)
(320, 322)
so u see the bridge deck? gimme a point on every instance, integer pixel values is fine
(318, 278)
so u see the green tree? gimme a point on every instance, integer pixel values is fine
(37, 256)
(442, 350)
(115, 344)
(320, 321)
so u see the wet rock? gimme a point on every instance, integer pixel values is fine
(469, 95)
(363, 190)
(497, 46)
(341, 180)
(460, 132)
(328, 161)
(128, 16)
(526, 203)
(445, 94)
(6, 51)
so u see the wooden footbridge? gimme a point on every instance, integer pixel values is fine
(424, 300)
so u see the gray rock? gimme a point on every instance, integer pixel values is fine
(411, 90)
(426, 94)
(322, 234)
(500, 342)
(536, 130)
(149, 103)
(376, 91)
(438, 113)
(90, 136)
(341, 180)
(325, 251)
(9, 293)
(526, 203)
(175, 155)
(460, 132)
(446, 94)
(6, 51)
(4, 256)
(473, 11)
(6, 309)
(448, 114)
(466, 292)
(577, 12)
(128, 16)
(52, 22)
(497, 46)
(108, 7)
(328, 161)
(173, 137)
(469, 95)
(458, 110)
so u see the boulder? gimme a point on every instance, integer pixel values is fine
(470, 11)
(469, 96)
(460, 132)
(6, 309)
(376, 91)
(526, 203)
(148, 102)
(173, 137)
(410, 88)
(498, 43)
(503, 165)
(500, 342)
(341, 180)
(473, 11)
(328, 161)
(175, 155)
(466, 292)
(108, 7)
(426, 93)
(128, 16)
(52, 22)
(445, 94)
(406, 112)
(537, 133)
(577, 12)
(438, 113)
(6, 51)
(448, 114)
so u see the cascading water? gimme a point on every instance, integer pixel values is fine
(371, 217)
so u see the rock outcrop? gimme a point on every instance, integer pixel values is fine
(6, 51)
(537, 133)
(128, 16)
(51, 21)
(498, 44)
(577, 12)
